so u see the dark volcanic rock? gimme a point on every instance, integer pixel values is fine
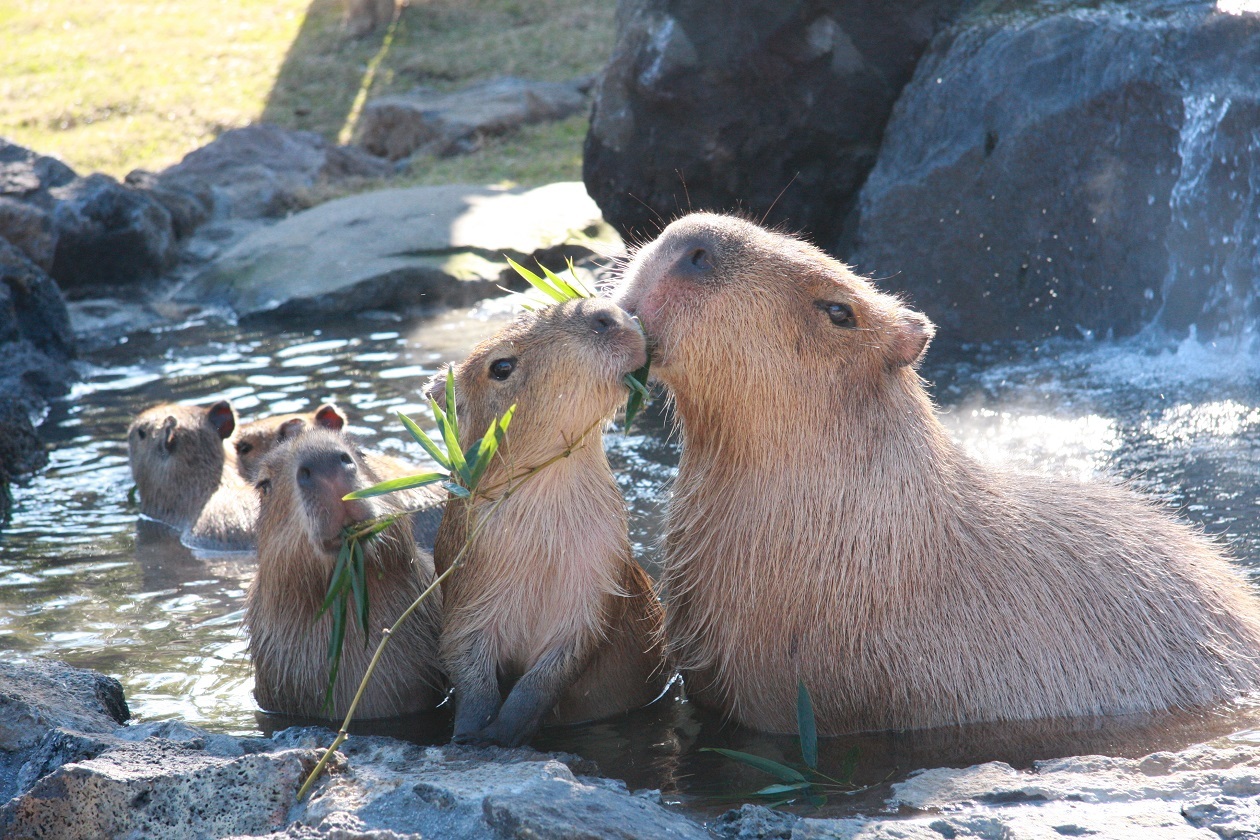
(109, 235)
(451, 123)
(262, 170)
(28, 176)
(30, 228)
(1075, 172)
(760, 104)
(189, 204)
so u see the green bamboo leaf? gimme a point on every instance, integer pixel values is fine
(336, 582)
(452, 414)
(637, 383)
(358, 587)
(435, 452)
(807, 726)
(560, 284)
(775, 790)
(780, 771)
(848, 765)
(457, 490)
(577, 282)
(335, 640)
(407, 482)
(131, 494)
(537, 282)
(480, 454)
(503, 423)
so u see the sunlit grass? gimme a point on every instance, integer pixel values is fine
(139, 83)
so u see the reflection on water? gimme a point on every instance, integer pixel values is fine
(82, 579)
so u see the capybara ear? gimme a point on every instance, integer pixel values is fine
(435, 388)
(290, 429)
(328, 416)
(910, 335)
(168, 432)
(223, 418)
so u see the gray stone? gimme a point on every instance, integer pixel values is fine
(264, 170)
(397, 248)
(770, 107)
(30, 229)
(430, 122)
(1064, 170)
(109, 235)
(28, 176)
(190, 204)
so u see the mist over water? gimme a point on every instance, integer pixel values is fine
(84, 579)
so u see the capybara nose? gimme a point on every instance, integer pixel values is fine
(602, 322)
(327, 472)
(695, 259)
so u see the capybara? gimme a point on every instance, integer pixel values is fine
(186, 478)
(823, 526)
(550, 618)
(301, 485)
(254, 440)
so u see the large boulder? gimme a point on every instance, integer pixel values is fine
(771, 107)
(28, 175)
(391, 249)
(30, 228)
(429, 122)
(109, 235)
(264, 170)
(1075, 171)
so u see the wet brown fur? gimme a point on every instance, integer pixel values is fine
(297, 548)
(255, 439)
(553, 568)
(824, 527)
(182, 463)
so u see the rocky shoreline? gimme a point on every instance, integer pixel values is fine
(71, 766)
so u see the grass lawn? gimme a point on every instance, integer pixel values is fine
(114, 86)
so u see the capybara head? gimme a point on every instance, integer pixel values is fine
(300, 487)
(561, 366)
(256, 439)
(176, 454)
(727, 304)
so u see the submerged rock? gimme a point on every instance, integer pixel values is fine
(428, 122)
(1066, 169)
(770, 107)
(393, 249)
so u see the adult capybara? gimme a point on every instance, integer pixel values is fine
(301, 485)
(550, 618)
(255, 440)
(824, 528)
(186, 478)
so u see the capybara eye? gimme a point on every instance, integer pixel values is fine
(304, 474)
(700, 259)
(243, 448)
(601, 323)
(264, 486)
(140, 433)
(841, 314)
(346, 459)
(501, 369)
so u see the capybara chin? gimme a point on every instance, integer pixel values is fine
(824, 527)
(550, 618)
(185, 476)
(301, 485)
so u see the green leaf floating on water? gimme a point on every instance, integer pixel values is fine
(782, 772)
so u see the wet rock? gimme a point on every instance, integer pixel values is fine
(28, 175)
(772, 108)
(393, 249)
(456, 793)
(264, 170)
(754, 822)
(189, 205)
(30, 229)
(48, 709)
(109, 235)
(1063, 170)
(429, 122)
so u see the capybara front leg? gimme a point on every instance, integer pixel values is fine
(477, 697)
(533, 697)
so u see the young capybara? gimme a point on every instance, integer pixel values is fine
(823, 527)
(186, 477)
(253, 441)
(550, 618)
(301, 485)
